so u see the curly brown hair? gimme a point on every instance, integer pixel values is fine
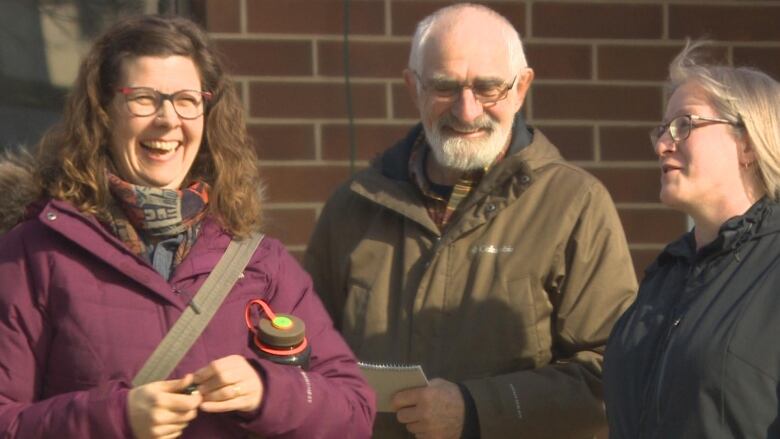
(73, 155)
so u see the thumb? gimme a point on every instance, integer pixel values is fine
(177, 385)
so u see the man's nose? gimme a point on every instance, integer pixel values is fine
(466, 107)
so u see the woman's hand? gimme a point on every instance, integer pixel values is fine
(229, 383)
(159, 410)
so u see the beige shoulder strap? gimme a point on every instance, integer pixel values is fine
(202, 308)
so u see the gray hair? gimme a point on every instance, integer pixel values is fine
(514, 46)
(747, 97)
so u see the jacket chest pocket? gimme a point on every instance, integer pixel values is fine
(754, 341)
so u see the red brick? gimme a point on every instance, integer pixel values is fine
(596, 102)
(274, 58)
(315, 17)
(652, 226)
(766, 59)
(283, 142)
(630, 185)
(403, 106)
(643, 63)
(370, 140)
(553, 61)
(626, 143)
(407, 13)
(575, 143)
(647, 63)
(314, 100)
(725, 22)
(222, 15)
(642, 259)
(291, 226)
(366, 59)
(583, 20)
(288, 184)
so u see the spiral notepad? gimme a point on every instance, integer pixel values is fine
(387, 379)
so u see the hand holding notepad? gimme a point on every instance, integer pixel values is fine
(387, 380)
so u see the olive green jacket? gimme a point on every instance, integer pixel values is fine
(515, 299)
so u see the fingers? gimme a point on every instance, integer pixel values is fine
(174, 386)
(166, 395)
(225, 393)
(169, 430)
(407, 398)
(435, 411)
(239, 403)
(229, 383)
(158, 409)
(221, 379)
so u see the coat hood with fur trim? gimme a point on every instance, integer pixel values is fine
(17, 187)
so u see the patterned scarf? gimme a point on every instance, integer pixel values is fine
(143, 212)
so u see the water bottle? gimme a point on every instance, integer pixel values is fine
(280, 338)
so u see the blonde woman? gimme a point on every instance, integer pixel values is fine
(697, 354)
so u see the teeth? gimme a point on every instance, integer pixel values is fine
(161, 145)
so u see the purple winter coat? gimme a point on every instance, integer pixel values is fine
(80, 314)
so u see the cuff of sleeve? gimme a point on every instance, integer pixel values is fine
(470, 417)
(532, 404)
(283, 406)
(110, 405)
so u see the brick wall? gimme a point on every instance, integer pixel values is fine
(599, 68)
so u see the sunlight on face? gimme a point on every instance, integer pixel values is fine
(156, 150)
(462, 132)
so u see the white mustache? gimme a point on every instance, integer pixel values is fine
(483, 122)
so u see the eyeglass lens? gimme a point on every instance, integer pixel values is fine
(679, 129)
(188, 104)
(486, 92)
(483, 92)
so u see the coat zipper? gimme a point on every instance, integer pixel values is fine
(656, 372)
(658, 369)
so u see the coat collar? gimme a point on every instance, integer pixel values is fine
(762, 218)
(387, 181)
(86, 232)
(393, 163)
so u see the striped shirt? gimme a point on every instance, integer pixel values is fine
(442, 201)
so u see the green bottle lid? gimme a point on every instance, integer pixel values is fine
(282, 322)
(285, 331)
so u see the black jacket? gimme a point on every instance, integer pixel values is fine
(698, 354)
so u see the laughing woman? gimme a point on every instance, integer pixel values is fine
(697, 355)
(115, 225)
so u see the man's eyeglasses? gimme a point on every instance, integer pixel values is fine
(487, 92)
(145, 101)
(681, 126)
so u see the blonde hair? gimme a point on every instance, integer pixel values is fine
(747, 97)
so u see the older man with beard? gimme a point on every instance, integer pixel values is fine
(473, 248)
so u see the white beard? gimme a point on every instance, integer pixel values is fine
(463, 154)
